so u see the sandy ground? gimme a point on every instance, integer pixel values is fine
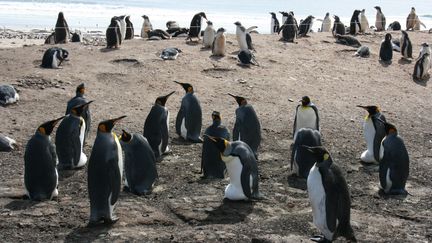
(184, 207)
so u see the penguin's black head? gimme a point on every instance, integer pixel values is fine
(240, 100)
(126, 137)
(127, 17)
(413, 9)
(356, 12)
(108, 125)
(48, 127)
(273, 14)
(425, 45)
(114, 20)
(202, 14)
(216, 116)
(161, 100)
(291, 13)
(220, 143)
(221, 30)
(388, 37)
(209, 22)
(79, 109)
(371, 109)
(389, 128)
(320, 152)
(80, 90)
(145, 17)
(187, 87)
(336, 18)
(378, 8)
(305, 101)
(237, 23)
(63, 54)
(327, 14)
(60, 15)
(363, 10)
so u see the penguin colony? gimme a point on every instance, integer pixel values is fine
(108, 168)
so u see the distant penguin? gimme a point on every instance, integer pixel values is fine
(394, 162)
(62, 33)
(247, 58)
(355, 25)
(139, 163)
(40, 161)
(219, 43)
(411, 20)
(394, 26)
(373, 131)
(170, 53)
(364, 23)
(156, 126)
(7, 144)
(338, 27)
(305, 26)
(122, 25)
(189, 117)
(50, 40)
(129, 29)
(209, 35)
(380, 21)
(301, 159)
(326, 23)
(8, 95)
(104, 173)
(247, 127)
(70, 139)
(212, 165)
(306, 116)
(386, 50)
(80, 99)
(244, 39)
(274, 24)
(284, 17)
(172, 25)
(53, 57)
(406, 46)
(423, 63)
(347, 40)
(113, 34)
(158, 34)
(363, 51)
(329, 197)
(76, 37)
(195, 26)
(289, 29)
(242, 168)
(146, 27)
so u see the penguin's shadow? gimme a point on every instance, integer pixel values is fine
(23, 204)
(64, 174)
(181, 141)
(108, 49)
(404, 61)
(192, 43)
(216, 58)
(295, 181)
(88, 234)
(385, 64)
(205, 49)
(229, 212)
(385, 196)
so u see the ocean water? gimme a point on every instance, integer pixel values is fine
(96, 14)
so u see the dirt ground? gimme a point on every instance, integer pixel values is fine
(184, 207)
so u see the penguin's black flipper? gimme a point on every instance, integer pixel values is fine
(164, 134)
(317, 117)
(179, 119)
(236, 130)
(332, 201)
(53, 153)
(245, 179)
(249, 41)
(115, 183)
(383, 167)
(76, 144)
(379, 135)
(295, 122)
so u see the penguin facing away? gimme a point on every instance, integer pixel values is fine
(80, 99)
(8, 95)
(306, 116)
(374, 133)
(242, 169)
(40, 160)
(380, 21)
(156, 126)
(129, 29)
(423, 64)
(140, 163)
(386, 49)
(113, 34)
(209, 35)
(211, 162)
(406, 46)
(274, 24)
(189, 117)
(7, 144)
(62, 33)
(53, 57)
(195, 26)
(395, 25)
(105, 172)
(70, 139)
(329, 197)
(219, 43)
(301, 159)
(394, 162)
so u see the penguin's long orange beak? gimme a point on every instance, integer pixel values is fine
(115, 120)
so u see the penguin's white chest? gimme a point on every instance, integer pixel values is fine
(326, 25)
(306, 118)
(234, 190)
(120, 155)
(272, 26)
(209, 36)
(241, 39)
(369, 135)
(183, 129)
(83, 158)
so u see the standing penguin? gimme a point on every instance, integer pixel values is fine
(242, 169)
(122, 25)
(329, 197)
(411, 20)
(113, 34)
(338, 27)
(211, 162)
(326, 23)
(301, 159)
(140, 163)
(405, 45)
(189, 117)
(394, 162)
(129, 29)
(7, 144)
(79, 99)
(247, 127)
(219, 43)
(53, 57)
(355, 25)
(305, 26)
(244, 39)
(423, 63)
(156, 126)
(146, 27)
(195, 26)
(274, 24)
(380, 21)
(289, 29)
(306, 116)
(70, 139)
(40, 160)
(105, 171)
(374, 132)
(386, 50)
(364, 23)
(209, 35)
(62, 33)
(8, 95)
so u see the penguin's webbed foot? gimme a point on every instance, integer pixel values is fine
(111, 220)
(319, 238)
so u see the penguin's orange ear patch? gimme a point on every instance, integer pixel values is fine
(102, 128)
(326, 156)
(190, 89)
(42, 130)
(226, 143)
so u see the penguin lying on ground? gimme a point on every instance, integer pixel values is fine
(7, 144)
(158, 34)
(363, 51)
(8, 95)
(347, 40)
(80, 99)
(374, 133)
(394, 26)
(247, 58)
(53, 57)
(170, 53)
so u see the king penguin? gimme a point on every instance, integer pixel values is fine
(7, 144)
(113, 34)
(329, 197)
(423, 63)
(140, 163)
(70, 139)
(209, 35)
(301, 159)
(146, 27)
(40, 161)
(156, 126)
(306, 116)
(394, 162)
(355, 25)
(80, 99)
(374, 133)
(326, 24)
(247, 127)
(195, 26)
(242, 169)
(62, 33)
(219, 43)
(189, 117)
(211, 163)
(380, 21)
(364, 23)
(274, 23)
(386, 49)
(129, 29)
(405, 45)
(104, 174)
